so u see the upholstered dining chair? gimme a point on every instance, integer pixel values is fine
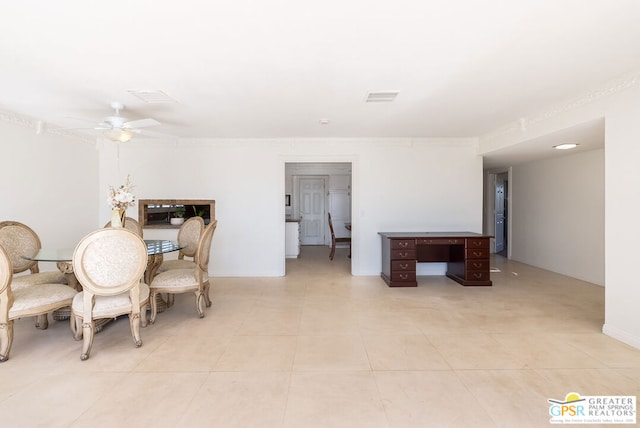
(188, 238)
(335, 240)
(194, 279)
(20, 240)
(25, 302)
(109, 264)
(132, 224)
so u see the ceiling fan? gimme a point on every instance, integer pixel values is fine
(119, 128)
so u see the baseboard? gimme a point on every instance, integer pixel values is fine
(622, 336)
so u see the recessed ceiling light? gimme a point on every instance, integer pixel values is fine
(324, 121)
(566, 146)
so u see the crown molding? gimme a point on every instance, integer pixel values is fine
(16, 119)
(612, 87)
(40, 127)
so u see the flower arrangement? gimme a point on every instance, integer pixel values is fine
(122, 197)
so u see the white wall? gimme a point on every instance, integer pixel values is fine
(49, 183)
(618, 102)
(622, 190)
(558, 215)
(402, 184)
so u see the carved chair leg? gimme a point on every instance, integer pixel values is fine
(207, 299)
(42, 322)
(6, 340)
(143, 315)
(87, 333)
(200, 303)
(134, 323)
(170, 300)
(154, 306)
(76, 327)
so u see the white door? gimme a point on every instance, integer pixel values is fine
(312, 221)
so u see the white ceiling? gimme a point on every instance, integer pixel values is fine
(273, 69)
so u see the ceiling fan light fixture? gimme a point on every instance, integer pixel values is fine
(119, 135)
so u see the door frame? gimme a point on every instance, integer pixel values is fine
(355, 196)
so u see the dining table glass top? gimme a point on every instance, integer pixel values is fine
(161, 246)
(154, 247)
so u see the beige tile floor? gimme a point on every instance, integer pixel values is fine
(322, 348)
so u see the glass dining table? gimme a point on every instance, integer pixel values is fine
(156, 248)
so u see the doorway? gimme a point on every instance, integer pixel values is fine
(315, 189)
(501, 213)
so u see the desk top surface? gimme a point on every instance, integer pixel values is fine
(413, 235)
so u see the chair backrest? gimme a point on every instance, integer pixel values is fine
(20, 240)
(6, 274)
(110, 261)
(333, 235)
(189, 236)
(204, 247)
(132, 224)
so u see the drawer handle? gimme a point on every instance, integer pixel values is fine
(477, 275)
(404, 266)
(477, 265)
(453, 241)
(404, 276)
(403, 244)
(403, 255)
(477, 243)
(477, 253)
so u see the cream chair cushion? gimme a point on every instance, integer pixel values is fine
(29, 298)
(176, 264)
(177, 279)
(110, 306)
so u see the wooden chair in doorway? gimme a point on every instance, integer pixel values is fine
(335, 240)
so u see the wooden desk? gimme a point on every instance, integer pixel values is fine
(466, 255)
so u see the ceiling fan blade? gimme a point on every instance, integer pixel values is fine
(151, 134)
(142, 123)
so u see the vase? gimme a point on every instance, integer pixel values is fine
(117, 218)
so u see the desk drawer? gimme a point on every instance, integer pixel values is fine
(476, 253)
(403, 254)
(477, 265)
(441, 241)
(403, 244)
(477, 243)
(408, 276)
(403, 265)
(477, 276)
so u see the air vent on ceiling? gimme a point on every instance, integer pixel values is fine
(152, 96)
(381, 96)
